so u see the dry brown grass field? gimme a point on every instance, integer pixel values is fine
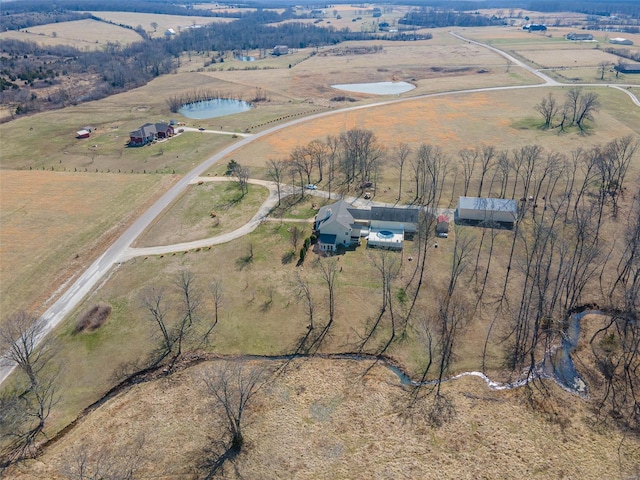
(176, 22)
(81, 34)
(55, 223)
(508, 121)
(322, 419)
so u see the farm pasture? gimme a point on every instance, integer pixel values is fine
(176, 22)
(504, 119)
(55, 223)
(83, 212)
(331, 422)
(81, 34)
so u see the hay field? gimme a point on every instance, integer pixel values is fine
(504, 119)
(81, 34)
(54, 224)
(176, 22)
(322, 420)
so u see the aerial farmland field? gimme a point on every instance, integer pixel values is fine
(438, 357)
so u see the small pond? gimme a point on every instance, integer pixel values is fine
(379, 88)
(218, 107)
(244, 58)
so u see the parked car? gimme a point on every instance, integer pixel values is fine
(311, 186)
(201, 129)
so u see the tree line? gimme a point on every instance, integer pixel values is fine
(430, 17)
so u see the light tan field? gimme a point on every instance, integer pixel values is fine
(451, 122)
(54, 224)
(81, 34)
(176, 22)
(322, 420)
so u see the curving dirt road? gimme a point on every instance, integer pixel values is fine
(121, 248)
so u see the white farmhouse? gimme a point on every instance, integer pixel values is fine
(384, 227)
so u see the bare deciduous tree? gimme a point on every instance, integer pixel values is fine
(176, 325)
(469, 159)
(109, 463)
(24, 345)
(402, 153)
(243, 174)
(548, 108)
(233, 388)
(275, 171)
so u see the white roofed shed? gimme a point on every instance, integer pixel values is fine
(476, 210)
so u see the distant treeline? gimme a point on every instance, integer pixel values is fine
(165, 7)
(247, 33)
(428, 17)
(624, 53)
(590, 7)
(17, 21)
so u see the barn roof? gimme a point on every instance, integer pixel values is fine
(394, 214)
(488, 204)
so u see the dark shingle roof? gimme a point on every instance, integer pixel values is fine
(394, 214)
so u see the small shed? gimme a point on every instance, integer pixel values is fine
(620, 41)
(280, 50)
(83, 133)
(475, 210)
(579, 37)
(442, 226)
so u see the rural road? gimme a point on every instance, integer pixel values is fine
(121, 248)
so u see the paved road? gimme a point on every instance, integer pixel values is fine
(119, 250)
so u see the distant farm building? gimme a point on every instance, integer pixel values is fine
(532, 27)
(475, 210)
(169, 32)
(340, 224)
(620, 41)
(628, 68)
(150, 132)
(579, 37)
(280, 50)
(83, 133)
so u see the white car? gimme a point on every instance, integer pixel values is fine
(310, 186)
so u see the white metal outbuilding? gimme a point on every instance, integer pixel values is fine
(476, 210)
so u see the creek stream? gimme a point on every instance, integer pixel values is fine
(556, 365)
